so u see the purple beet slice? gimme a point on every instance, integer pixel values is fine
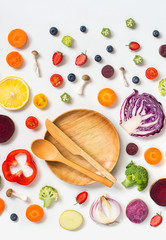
(6, 128)
(132, 149)
(158, 192)
(162, 50)
(137, 211)
(107, 71)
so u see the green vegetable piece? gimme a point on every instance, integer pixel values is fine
(65, 97)
(162, 87)
(138, 59)
(47, 194)
(135, 175)
(105, 32)
(130, 23)
(67, 40)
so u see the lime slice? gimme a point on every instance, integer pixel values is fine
(162, 87)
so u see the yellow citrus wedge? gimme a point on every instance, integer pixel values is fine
(14, 93)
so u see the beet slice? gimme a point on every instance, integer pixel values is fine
(6, 128)
(137, 211)
(158, 192)
(132, 149)
(162, 50)
(107, 71)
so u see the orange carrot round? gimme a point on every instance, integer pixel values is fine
(14, 59)
(152, 156)
(2, 205)
(17, 38)
(34, 213)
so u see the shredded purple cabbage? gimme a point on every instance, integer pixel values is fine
(141, 115)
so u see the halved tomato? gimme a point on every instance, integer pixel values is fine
(56, 80)
(151, 73)
(31, 122)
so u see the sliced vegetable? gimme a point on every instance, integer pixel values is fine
(14, 59)
(130, 23)
(138, 59)
(7, 128)
(31, 122)
(105, 210)
(158, 192)
(162, 50)
(67, 40)
(131, 148)
(34, 213)
(47, 194)
(151, 73)
(19, 176)
(156, 220)
(70, 220)
(17, 38)
(107, 71)
(152, 156)
(105, 32)
(135, 175)
(81, 197)
(134, 46)
(162, 87)
(137, 211)
(40, 101)
(141, 115)
(65, 97)
(2, 205)
(57, 58)
(107, 97)
(56, 80)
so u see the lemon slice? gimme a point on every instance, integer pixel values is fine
(14, 93)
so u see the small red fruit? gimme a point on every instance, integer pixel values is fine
(31, 122)
(151, 73)
(56, 80)
(81, 197)
(156, 220)
(57, 58)
(81, 59)
(134, 46)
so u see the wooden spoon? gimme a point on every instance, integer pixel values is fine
(47, 151)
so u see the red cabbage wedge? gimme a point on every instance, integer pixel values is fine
(141, 115)
(158, 192)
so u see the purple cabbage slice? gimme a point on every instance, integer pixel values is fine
(141, 115)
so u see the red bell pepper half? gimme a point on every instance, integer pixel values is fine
(19, 176)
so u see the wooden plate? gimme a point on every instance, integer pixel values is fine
(92, 132)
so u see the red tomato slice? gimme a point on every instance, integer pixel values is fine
(151, 73)
(32, 122)
(56, 80)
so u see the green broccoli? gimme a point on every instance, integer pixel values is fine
(47, 194)
(135, 175)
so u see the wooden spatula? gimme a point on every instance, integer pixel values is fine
(72, 147)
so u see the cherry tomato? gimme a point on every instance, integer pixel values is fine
(31, 122)
(56, 80)
(151, 73)
(40, 100)
(81, 197)
(107, 97)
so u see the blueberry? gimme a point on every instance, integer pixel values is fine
(13, 217)
(98, 58)
(71, 77)
(109, 48)
(53, 31)
(135, 79)
(83, 29)
(156, 33)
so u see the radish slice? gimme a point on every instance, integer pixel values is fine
(6, 128)
(137, 211)
(107, 71)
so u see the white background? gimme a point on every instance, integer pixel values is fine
(36, 17)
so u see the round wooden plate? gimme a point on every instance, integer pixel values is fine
(95, 134)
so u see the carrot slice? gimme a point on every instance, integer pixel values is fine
(17, 38)
(34, 213)
(152, 156)
(14, 59)
(2, 205)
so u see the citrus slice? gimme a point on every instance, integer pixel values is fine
(14, 93)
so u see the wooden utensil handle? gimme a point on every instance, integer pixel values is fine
(87, 172)
(97, 165)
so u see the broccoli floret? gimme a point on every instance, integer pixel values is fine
(47, 194)
(135, 175)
